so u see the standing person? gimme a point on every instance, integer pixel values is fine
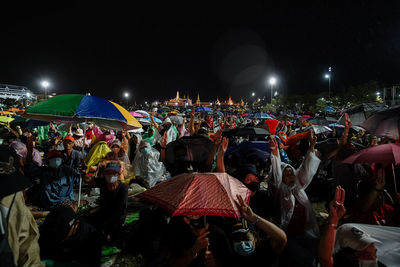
(18, 230)
(296, 214)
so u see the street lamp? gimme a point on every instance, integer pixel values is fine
(126, 95)
(45, 84)
(253, 94)
(272, 82)
(328, 76)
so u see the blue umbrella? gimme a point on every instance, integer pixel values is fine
(329, 109)
(260, 116)
(201, 109)
(157, 120)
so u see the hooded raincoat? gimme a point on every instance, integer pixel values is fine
(287, 196)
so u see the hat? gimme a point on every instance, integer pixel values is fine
(69, 138)
(250, 168)
(241, 226)
(167, 120)
(113, 166)
(54, 154)
(58, 223)
(79, 132)
(116, 142)
(11, 179)
(350, 236)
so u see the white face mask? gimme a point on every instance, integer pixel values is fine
(111, 178)
(368, 263)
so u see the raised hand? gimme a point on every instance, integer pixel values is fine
(224, 145)
(313, 140)
(164, 139)
(347, 121)
(337, 209)
(244, 209)
(273, 145)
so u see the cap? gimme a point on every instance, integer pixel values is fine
(241, 226)
(116, 142)
(58, 223)
(79, 132)
(69, 138)
(53, 154)
(11, 179)
(113, 166)
(353, 237)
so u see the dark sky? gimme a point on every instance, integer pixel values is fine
(223, 50)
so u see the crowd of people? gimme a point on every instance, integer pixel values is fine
(42, 176)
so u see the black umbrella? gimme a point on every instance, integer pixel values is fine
(247, 131)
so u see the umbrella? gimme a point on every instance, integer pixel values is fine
(157, 120)
(329, 109)
(144, 121)
(383, 154)
(77, 108)
(361, 113)
(385, 123)
(198, 194)
(246, 131)
(177, 120)
(136, 115)
(5, 119)
(243, 115)
(198, 148)
(143, 113)
(260, 116)
(318, 129)
(201, 109)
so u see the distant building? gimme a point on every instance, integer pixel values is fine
(8, 91)
(179, 102)
(391, 95)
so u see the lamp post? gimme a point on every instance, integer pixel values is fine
(329, 76)
(272, 82)
(45, 84)
(126, 95)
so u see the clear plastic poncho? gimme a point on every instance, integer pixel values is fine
(304, 175)
(148, 167)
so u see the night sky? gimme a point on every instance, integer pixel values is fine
(230, 49)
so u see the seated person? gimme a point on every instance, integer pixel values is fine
(66, 238)
(117, 152)
(255, 239)
(72, 157)
(56, 181)
(113, 201)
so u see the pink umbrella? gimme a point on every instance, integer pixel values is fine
(384, 154)
(136, 115)
(199, 194)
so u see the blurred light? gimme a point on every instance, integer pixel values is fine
(253, 94)
(276, 93)
(145, 102)
(45, 84)
(327, 76)
(378, 93)
(126, 94)
(272, 80)
(28, 94)
(330, 69)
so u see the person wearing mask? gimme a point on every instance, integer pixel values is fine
(72, 157)
(296, 214)
(254, 239)
(118, 153)
(65, 238)
(80, 140)
(113, 202)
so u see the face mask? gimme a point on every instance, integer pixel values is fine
(54, 163)
(368, 263)
(25, 134)
(243, 248)
(146, 151)
(111, 178)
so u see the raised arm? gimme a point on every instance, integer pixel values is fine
(309, 166)
(191, 123)
(327, 241)
(278, 236)
(216, 143)
(275, 162)
(220, 157)
(163, 146)
(154, 123)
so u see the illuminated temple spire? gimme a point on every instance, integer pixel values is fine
(198, 100)
(177, 95)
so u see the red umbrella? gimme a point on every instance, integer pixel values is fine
(384, 154)
(243, 115)
(199, 194)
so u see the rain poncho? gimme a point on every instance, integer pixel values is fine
(97, 153)
(100, 136)
(287, 199)
(388, 248)
(148, 167)
(22, 151)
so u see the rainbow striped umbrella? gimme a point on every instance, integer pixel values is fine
(75, 108)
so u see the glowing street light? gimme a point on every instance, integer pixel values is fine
(45, 84)
(253, 94)
(328, 76)
(272, 82)
(126, 95)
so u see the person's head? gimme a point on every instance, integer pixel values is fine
(374, 141)
(350, 236)
(144, 148)
(54, 159)
(112, 172)
(68, 142)
(196, 223)
(243, 238)
(288, 176)
(61, 224)
(78, 134)
(167, 124)
(202, 132)
(116, 146)
(250, 178)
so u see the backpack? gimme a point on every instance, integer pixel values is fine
(6, 254)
